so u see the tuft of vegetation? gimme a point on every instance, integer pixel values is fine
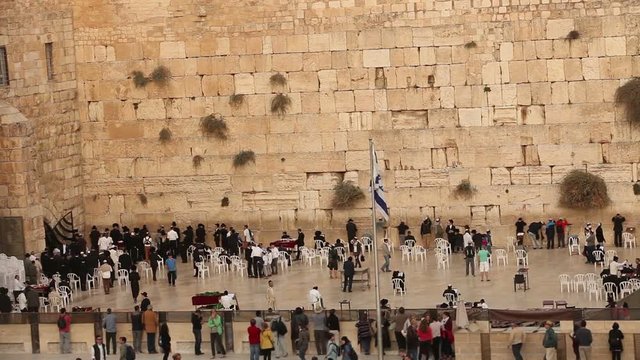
(214, 125)
(161, 75)
(143, 199)
(165, 135)
(224, 202)
(582, 190)
(197, 161)
(487, 89)
(470, 45)
(280, 104)
(278, 80)
(431, 80)
(573, 35)
(636, 188)
(139, 80)
(346, 194)
(244, 157)
(628, 95)
(464, 190)
(236, 100)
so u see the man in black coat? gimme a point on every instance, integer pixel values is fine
(349, 270)
(352, 230)
(94, 235)
(116, 236)
(618, 222)
(125, 260)
(201, 233)
(300, 243)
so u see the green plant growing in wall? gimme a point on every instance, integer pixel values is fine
(346, 194)
(143, 199)
(197, 161)
(244, 157)
(161, 75)
(470, 45)
(139, 80)
(214, 125)
(464, 190)
(165, 135)
(573, 35)
(224, 202)
(636, 188)
(236, 100)
(628, 95)
(280, 104)
(584, 191)
(278, 80)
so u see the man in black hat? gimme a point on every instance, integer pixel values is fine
(352, 230)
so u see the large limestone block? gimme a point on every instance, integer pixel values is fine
(309, 200)
(323, 180)
(328, 80)
(612, 172)
(270, 201)
(615, 46)
(376, 58)
(500, 176)
(344, 101)
(406, 178)
(151, 109)
(537, 70)
(621, 152)
(172, 50)
(539, 175)
(289, 182)
(579, 113)
(126, 130)
(409, 119)
(303, 81)
(559, 28)
(316, 61)
(434, 177)
(518, 71)
(470, 117)
(287, 62)
(243, 84)
(438, 118)
(590, 68)
(114, 186)
(319, 42)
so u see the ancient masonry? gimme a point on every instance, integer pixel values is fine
(509, 94)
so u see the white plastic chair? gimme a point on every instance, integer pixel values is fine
(202, 269)
(598, 255)
(56, 303)
(399, 287)
(442, 260)
(574, 246)
(323, 256)
(565, 280)
(522, 258)
(635, 283)
(444, 245)
(410, 243)
(161, 267)
(501, 255)
(123, 277)
(309, 255)
(44, 280)
(284, 259)
(594, 289)
(146, 268)
(74, 280)
(625, 288)
(44, 303)
(628, 239)
(511, 243)
(579, 280)
(190, 250)
(367, 244)
(221, 264)
(241, 267)
(450, 298)
(91, 282)
(406, 252)
(609, 256)
(65, 295)
(610, 289)
(419, 252)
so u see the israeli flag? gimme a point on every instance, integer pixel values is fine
(378, 188)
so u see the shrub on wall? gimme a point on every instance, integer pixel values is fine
(636, 188)
(573, 35)
(161, 75)
(244, 157)
(581, 190)
(628, 95)
(280, 104)
(214, 125)
(165, 135)
(346, 194)
(197, 161)
(139, 80)
(278, 80)
(464, 190)
(143, 199)
(224, 202)
(236, 100)
(470, 45)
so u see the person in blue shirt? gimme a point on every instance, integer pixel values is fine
(171, 270)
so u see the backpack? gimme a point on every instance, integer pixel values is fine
(130, 354)
(282, 328)
(353, 354)
(62, 322)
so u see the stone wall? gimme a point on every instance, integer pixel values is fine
(490, 91)
(40, 159)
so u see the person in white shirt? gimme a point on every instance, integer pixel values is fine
(266, 263)
(22, 302)
(248, 235)
(173, 236)
(615, 266)
(228, 301)
(275, 255)
(18, 287)
(105, 242)
(468, 239)
(148, 243)
(256, 256)
(315, 298)
(436, 332)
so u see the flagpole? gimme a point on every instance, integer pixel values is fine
(376, 270)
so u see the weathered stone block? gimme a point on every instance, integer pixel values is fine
(407, 178)
(559, 28)
(612, 172)
(344, 101)
(303, 81)
(500, 176)
(470, 117)
(323, 181)
(270, 201)
(287, 62)
(376, 58)
(442, 118)
(151, 109)
(435, 177)
(172, 50)
(409, 119)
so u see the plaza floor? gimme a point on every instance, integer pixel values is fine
(424, 283)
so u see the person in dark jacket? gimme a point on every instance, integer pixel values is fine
(352, 230)
(550, 231)
(33, 299)
(425, 231)
(134, 280)
(535, 235)
(618, 222)
(520, 224)
(94, 235)
(299, 243)
(201, 234)
(5, 301)
(349, 269)
(615, 342)
(600, 235)
(298, 320)
(165, 340)
(196, 328)
(364, 327)
(333, 323)
(136, 328)
(402, 231)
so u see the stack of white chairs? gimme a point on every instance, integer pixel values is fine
(367, 244)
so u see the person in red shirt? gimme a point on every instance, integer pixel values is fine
(254, 340)
(65, 332)
(425, 336)
(561, 229)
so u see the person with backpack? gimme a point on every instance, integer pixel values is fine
(215, 324)
(615, 341)
(348, 352)
(333, 349)
(469, 259)
(64, 329)
(127, 352)
(279, 330)
(550, 342)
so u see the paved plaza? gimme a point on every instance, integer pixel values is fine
(424, 283)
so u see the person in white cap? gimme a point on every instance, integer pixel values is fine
(105, 273)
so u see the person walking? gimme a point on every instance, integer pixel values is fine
(196, 328)
(483, 256)
(349, 270)
(386, 253)
(303, 341)
(615, 341)
(127, 352)
(320, 331)
(172, 270)
(64, 329)
(516, 339)
(266, 341)
(550, 342)
(105, 273)
(333, 349)
(215, 325)
(618, 222)
(110, 328)
(584, 339)
(134, 280)
(137, 328)
(254, 340)
(165, 340)
(348, 352)
(365, 333)
(399, 321)
(271, 296)
(279, 330)
(469, 259)
(98, 350)
(150, 322)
